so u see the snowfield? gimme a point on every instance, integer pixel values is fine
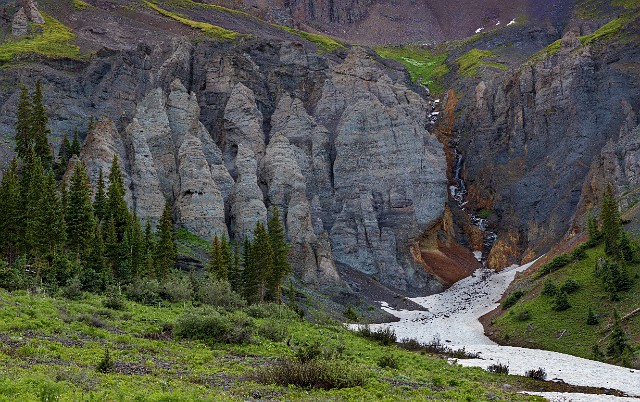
(452, 317)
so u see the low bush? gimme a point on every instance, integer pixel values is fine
(561, 302)
(388, 361)
(524, 315)
(274, 330)
(554, 265)
(272, 310)
(538, 374)
(592, 318)
(105, 365)
(436, 347)
(549, 288)
(385, 336)
(512, 299)
(211, 326)
(218, 293)
(73, 289)
(313, 374)
(144, 292)
(498, 368)
(176, 289)
(569, 286)
(14, 277)
(114, 301)
(350, 314)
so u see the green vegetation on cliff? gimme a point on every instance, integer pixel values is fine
(51, 39)
(325, 42)
(425, 66)
(470, 62)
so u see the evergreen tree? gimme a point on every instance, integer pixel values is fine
(92, 124)
(116, 205)
(618, 341)
(235, 270)
(79, 212)
(125, 258)
(148, 247)
(592, 319)
(10, 212)
(63, 157)
(592, 228)
(111, 247)
(611, 225)
(561, 301)
(39, 128)
(280, 248)
(34, 241)
(250, 284)
(166, 255)
(625, 248)
(75, 145)
(100, 199)
(51, 225)
(217, 265)
(23, 124)
(136, 237)
(262, 257)
(96, 273)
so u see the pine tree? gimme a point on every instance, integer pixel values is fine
(250, 284)
(100, 199)
(116, 205)
(148, 247)
(63, 157)
(34, 241)
(23, 124)
(75, 145)
(52, 223)
(235, 270)
(96, 273)
(262, 257)
(625, 248)
(125, 259)
(611, 225)
(136, 237)
(79, 212)
(166, 255)
(111, 247)
(217, 265)
(618, 341)
(592, 319)
(10, 212)
(281, 267)
(39, 128)
(92, 124)
(592, 228)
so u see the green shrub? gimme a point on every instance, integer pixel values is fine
(523, 315)
(274, 330)
(218, 293)
(386, 336)
(499, 368)
(144, 291)
(561, 302)
(73, 290)
(177, 289)
(549, 288)
(14, 277)
(106, 364)
(592, 318)
(350, 314)
(388, 361)
(211, 326)
(114, 301)
(313, 374)
(569, 286)
(272, 310)
(554, 265)
(512, 299)
(539, 374)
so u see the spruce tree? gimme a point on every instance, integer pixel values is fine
(52, 223)
(100, 199)
(111, 247)
(34, 241)
(10, 212)
(235, 270)
(262, 257)
(116, 205)
(136, 237)
(148, 248)
(63, 157)
(611, 225)
(280, 248)
(79, 212)
(250, 284)
(592, 228)
(166, 255)
(96, 273)
(217, 265)
(625, 248)
(23, 124)
(75, 145)
(618, 342)
(39, 128)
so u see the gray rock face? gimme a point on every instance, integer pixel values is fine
(339, 146)
(531, 138)
(246, 199)
(20, 23)
(30, 8)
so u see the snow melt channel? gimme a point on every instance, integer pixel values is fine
(452, 317)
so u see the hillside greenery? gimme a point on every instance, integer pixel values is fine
(425, 66)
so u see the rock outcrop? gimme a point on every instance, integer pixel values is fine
(27, 12)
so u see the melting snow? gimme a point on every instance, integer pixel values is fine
(478, 255)
(453, 316)
(479, 29)
(497, 23)
(513, 21)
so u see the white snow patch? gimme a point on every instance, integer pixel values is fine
(497, 23)
(574, 397)
(479, 29)
(513, 21)
(478, 255)
(452, 316)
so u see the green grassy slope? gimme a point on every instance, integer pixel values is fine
(567, 331)
(50, 348)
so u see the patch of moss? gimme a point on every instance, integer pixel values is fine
(210, 30)
(607, 31)
(425, 66)
(192, 4)
(54, 42)
(628, 4)
(325, 42)
(469, 62)
(81, 5)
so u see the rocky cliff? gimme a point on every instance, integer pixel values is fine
(224, 133)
